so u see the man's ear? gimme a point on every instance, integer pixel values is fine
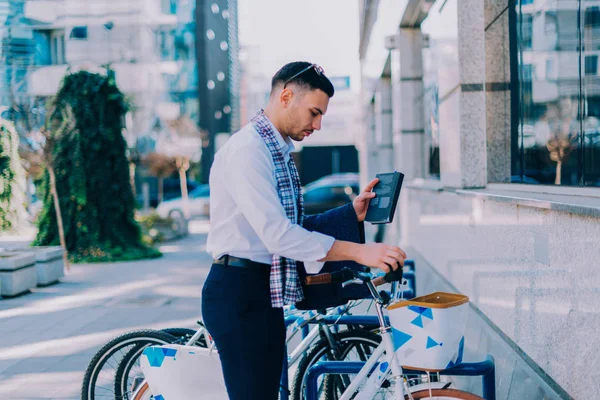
(285, 97)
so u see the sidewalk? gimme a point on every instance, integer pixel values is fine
(48, 337)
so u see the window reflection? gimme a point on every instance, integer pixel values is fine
(558, 92)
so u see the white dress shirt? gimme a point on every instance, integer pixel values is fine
(247, 219)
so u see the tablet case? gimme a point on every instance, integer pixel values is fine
(383, 205)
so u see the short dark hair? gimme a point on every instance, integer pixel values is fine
(309, 79)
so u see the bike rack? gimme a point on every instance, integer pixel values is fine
(486, 369)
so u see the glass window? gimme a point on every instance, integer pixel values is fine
(591, 65)
(558, 93)
(592, 16)
(79, 32)
(590, 99)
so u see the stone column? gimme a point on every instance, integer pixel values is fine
(408, 119)
(463, 155)
(497, 85)
(383, 134)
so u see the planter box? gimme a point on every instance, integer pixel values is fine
(17, 273)
(49, 264)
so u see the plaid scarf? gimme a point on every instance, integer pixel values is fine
(285, 283)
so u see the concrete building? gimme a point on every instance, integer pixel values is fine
(491, 112)
(149, 44)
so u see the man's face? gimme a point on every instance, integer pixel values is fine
(305, 113)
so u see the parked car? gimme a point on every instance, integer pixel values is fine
(198, 200)
(330, 191)
(171, 189)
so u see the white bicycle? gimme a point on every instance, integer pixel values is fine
(382, 376)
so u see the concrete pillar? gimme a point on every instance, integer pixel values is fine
(371, 143)
(463, 155)
(383, 133)
(498, 95)
(410, 155)
(408, 120)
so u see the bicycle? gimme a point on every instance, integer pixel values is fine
(323, 329)
(128, 379)
(381, 376)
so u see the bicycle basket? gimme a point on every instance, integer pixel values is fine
(178, 372)
(429, 330)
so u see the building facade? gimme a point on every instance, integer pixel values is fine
(490, 109)
(151, 45)
(218, 74)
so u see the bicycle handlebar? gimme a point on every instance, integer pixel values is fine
(346, 274)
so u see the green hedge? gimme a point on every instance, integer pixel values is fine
(92, 174)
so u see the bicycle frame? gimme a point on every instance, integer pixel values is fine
(383, 363)
(388, 365)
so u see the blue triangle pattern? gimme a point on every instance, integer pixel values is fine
(169, 352)
(418, 321)
(400, 338)
(159, 397)
(431, 343)
(428, 313)
(461, 349)
(156, 355)
(417, 309)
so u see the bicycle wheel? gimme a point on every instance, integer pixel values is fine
(98, 382)
(444, 394)
(129, 375)
(350, 345)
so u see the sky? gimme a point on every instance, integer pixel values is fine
(320, 31)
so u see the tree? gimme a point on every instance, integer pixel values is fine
(160, 166)
(562, 119)
(184, 145)
(12, 202)
(91, 173)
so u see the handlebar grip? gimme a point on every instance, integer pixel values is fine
(394, 276)
(318, 279)
(343, 275)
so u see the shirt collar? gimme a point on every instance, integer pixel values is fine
(286, 145)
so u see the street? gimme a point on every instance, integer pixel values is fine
(48, 337)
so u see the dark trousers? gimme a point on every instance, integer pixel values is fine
(248, 332)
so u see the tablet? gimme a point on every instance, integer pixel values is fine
(383, 205)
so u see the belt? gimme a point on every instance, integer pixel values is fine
(230, 261)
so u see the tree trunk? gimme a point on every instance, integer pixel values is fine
(61, 230)
(184, 192)
(132, 178)
(160, 189)
(557, 180)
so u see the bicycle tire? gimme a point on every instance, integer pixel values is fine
(322, 347)
(100, 358)
(446, 394)
(182, 335)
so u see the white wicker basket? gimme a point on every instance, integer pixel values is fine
(429, 330)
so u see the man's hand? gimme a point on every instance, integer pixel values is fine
(361, 202)
(374, 255)
(382, 256)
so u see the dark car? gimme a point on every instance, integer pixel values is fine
(329, 192)
(171, 189)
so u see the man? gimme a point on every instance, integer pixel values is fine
(256, 234)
